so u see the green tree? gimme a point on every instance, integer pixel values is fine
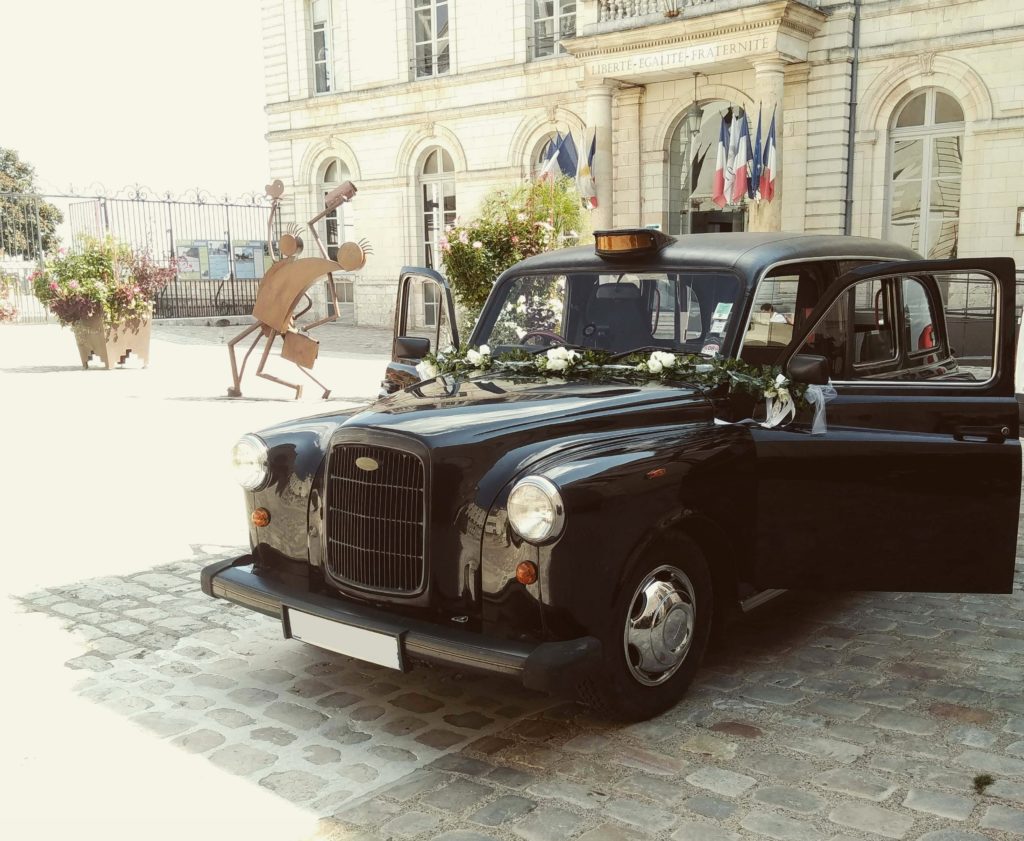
(513, 224)
(28, 225)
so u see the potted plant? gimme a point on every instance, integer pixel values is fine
(105, 293)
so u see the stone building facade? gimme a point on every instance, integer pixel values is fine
(901, 119)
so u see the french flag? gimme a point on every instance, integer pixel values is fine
(754, 187)
(769, 164)
(585, 174)
(718, 195)
(741, 162)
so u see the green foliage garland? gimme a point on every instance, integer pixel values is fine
(756, 380)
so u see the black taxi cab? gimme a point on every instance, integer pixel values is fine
(581, 534)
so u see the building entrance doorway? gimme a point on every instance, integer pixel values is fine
(692, 158)
(717, 221)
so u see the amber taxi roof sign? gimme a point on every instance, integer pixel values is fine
(629, 242)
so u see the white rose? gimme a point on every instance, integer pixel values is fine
(485, 350)
(667, 360)
(557, 364)
(560, 354)
(473, 357)
(571, 355)
(426, 370)
(654, 366)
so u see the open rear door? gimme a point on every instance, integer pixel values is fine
(915, 485)
(425, 321)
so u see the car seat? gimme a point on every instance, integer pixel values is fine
(617, 319)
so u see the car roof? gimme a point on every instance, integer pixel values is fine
(748, 253)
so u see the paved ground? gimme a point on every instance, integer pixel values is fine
(136, 707)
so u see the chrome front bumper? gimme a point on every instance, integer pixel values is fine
(555, 667)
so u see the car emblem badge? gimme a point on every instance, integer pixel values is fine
(367, 464)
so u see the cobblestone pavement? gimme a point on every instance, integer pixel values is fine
(848, 716)
(135, 707)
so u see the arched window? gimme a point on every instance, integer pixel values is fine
(437, 197)
(925, 169)
(693, 148)
(338, 225)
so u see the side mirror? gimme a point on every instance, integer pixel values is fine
(809, 369)
(411, 347)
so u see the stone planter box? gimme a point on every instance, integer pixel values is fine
(112, 342)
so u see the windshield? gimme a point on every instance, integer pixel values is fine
(680, 311)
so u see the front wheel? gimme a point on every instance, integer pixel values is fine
(658, 632)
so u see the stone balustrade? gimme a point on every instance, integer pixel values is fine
(612, 10)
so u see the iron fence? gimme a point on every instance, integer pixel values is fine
(218, 246)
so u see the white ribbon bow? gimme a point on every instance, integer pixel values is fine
(778, 404)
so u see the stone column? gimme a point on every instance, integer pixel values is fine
(626, 146)
(599, 118)
(769, 76)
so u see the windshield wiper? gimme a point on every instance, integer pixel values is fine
(643, 349)
(566, 345)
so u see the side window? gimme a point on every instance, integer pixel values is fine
(785, 297)
(920, 327)
(856, 335)
(910, 329)
(969, 300)
(425, 313)
(774, 312)
(874, 331)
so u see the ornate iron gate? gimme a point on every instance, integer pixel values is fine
(219, 244)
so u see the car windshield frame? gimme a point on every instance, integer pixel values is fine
(496, 300)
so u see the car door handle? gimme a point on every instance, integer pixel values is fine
(981, 434)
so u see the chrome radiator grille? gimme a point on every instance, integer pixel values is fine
(376, 518)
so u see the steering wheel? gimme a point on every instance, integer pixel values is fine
(542, 334)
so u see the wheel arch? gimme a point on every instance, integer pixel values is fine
(721, 557)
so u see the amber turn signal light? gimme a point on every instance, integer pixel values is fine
(526, 572)
(260, 518)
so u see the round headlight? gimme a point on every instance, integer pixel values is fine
(249, 461)
(535, 509)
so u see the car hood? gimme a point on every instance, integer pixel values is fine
(446, 412)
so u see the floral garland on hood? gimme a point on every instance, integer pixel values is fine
(782, 397)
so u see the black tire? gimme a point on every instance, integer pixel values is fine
(672, 569)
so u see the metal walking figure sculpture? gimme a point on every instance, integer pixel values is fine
(285, 283)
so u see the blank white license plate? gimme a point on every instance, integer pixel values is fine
(371, 646)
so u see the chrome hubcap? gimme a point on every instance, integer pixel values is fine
(659, 626)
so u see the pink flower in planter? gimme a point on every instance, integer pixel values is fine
(73, 284)
(53, 285)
